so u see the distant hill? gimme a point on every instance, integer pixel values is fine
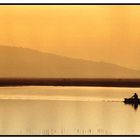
(27, 63)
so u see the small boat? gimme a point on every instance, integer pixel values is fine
(131, 101)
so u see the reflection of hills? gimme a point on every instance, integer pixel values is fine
(23, 62)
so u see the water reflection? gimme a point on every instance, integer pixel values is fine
(134, 105)
(64, 111)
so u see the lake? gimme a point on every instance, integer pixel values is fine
(48, 110)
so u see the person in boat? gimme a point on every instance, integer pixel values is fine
(135, 96)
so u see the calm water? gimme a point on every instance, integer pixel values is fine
(67, 110)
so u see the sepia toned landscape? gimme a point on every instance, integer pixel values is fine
(69, 69)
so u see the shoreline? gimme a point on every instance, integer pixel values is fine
(99, 82)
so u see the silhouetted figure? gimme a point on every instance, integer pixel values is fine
(135, 96)
(136, 101)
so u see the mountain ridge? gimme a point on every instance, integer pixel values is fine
(28, 63)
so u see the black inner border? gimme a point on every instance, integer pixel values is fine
(102, 4)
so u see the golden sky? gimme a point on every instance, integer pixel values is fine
(96, 32)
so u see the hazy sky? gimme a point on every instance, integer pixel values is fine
(99, 33)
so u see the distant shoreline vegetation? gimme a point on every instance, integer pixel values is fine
(100, 82)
